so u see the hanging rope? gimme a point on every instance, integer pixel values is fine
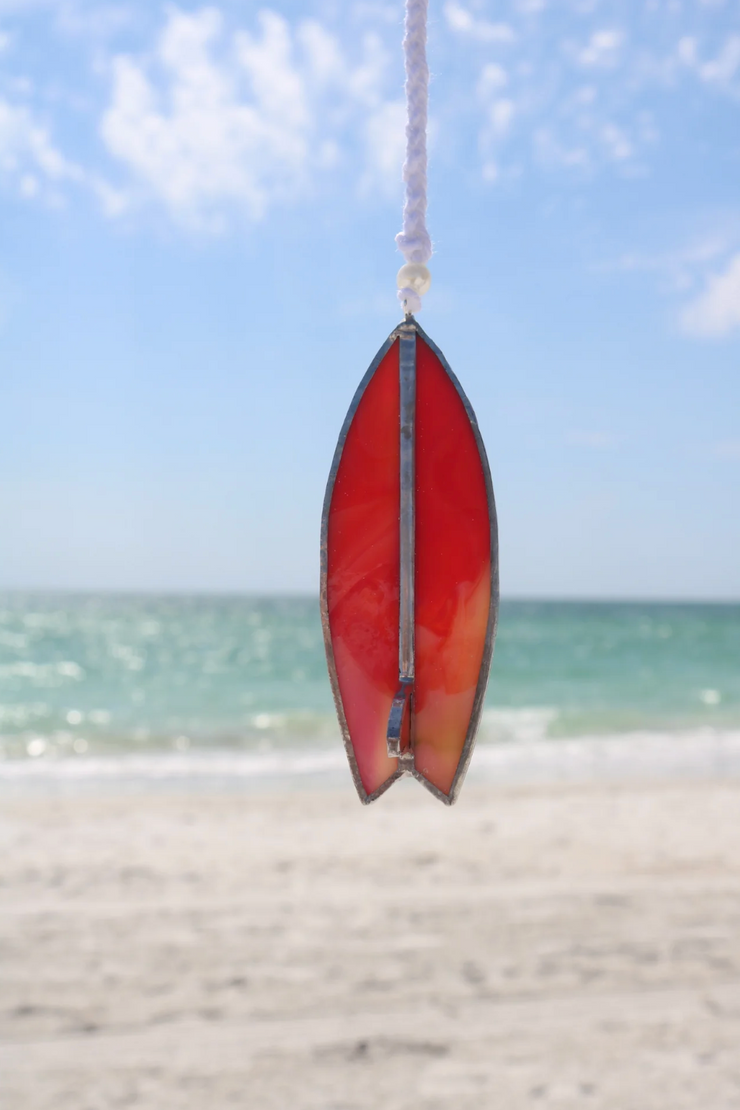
(413, 241)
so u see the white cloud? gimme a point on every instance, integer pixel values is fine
(602, 48)
(680, 269)
(724, 67)
(616, 142)
(323, 54)
(29, 160)
(198, 141)
(551, 152)
(385, 137)
(716, 311)
(210, 121)
(246, 119)
(500, 114)
(585, 95)
(94, 21)
(370, 9)
(493, 77)
(686, 50)
(462, 21)
(719, 71)
(564, 123)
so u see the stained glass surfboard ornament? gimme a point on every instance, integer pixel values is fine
(409, 541)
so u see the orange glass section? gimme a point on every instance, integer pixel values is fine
(453, 571)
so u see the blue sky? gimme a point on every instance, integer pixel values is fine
(197, 213)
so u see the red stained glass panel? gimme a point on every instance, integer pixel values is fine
(453, 571)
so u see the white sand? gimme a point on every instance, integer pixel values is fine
(553, 947)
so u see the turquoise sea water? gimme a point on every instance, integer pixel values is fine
(84, 676)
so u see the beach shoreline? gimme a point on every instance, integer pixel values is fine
(640, 756)
(544, 945)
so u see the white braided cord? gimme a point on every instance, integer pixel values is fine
(413, 240)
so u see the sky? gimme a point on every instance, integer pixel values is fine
(198, 206)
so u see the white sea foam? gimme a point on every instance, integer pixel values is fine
(635, 756)
(699, 753)
(521, 725)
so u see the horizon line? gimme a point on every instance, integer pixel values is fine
(206, 592)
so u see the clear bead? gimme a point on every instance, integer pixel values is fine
(414, 275)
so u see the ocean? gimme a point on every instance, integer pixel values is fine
(102, 682)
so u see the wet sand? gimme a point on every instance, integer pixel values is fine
(562, 946)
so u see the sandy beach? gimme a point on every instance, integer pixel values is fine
(558, 946)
